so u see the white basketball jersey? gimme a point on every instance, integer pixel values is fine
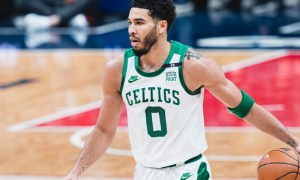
(165, 118)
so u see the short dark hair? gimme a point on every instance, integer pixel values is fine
(158, 9)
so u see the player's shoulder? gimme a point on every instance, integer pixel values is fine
(200, 67)
(113, 73)
(115, 64)
(193, 60)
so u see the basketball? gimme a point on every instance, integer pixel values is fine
(281, 163)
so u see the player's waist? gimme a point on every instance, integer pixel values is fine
(193, 159)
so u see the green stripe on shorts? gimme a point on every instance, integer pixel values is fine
(203, 174)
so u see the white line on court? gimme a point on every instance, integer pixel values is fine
(58, 115)
(77, 140)
(255, 60)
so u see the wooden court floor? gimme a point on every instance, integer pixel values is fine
(36, 84)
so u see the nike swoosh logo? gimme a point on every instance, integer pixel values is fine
(185, 176)
(133, 79)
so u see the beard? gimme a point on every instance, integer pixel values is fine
(148, 42)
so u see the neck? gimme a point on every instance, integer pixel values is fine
(156, 57)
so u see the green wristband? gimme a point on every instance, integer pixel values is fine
(244, 107)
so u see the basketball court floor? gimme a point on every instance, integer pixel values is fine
(50, 99)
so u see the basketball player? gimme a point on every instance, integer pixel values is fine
(162, 82)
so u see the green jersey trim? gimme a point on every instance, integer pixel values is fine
(183, 51)
(159, 71)
(127, 54)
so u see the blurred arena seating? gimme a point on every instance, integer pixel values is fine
(201, 24)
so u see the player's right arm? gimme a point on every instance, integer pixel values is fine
(202, 71)
(105, 129)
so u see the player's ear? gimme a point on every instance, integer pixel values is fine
(162, 26)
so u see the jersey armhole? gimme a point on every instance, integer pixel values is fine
(197, 91)
(124, 69)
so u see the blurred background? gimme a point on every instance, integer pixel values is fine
(102, 23)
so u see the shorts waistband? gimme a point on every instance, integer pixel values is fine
(193, 159)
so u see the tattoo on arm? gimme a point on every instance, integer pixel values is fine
(83, 168)
(291, 142)
(190, 54)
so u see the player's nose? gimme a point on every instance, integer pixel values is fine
(131, 29)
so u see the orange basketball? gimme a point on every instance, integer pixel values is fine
(281, 163)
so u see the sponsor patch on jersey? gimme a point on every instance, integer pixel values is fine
(171, 76)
